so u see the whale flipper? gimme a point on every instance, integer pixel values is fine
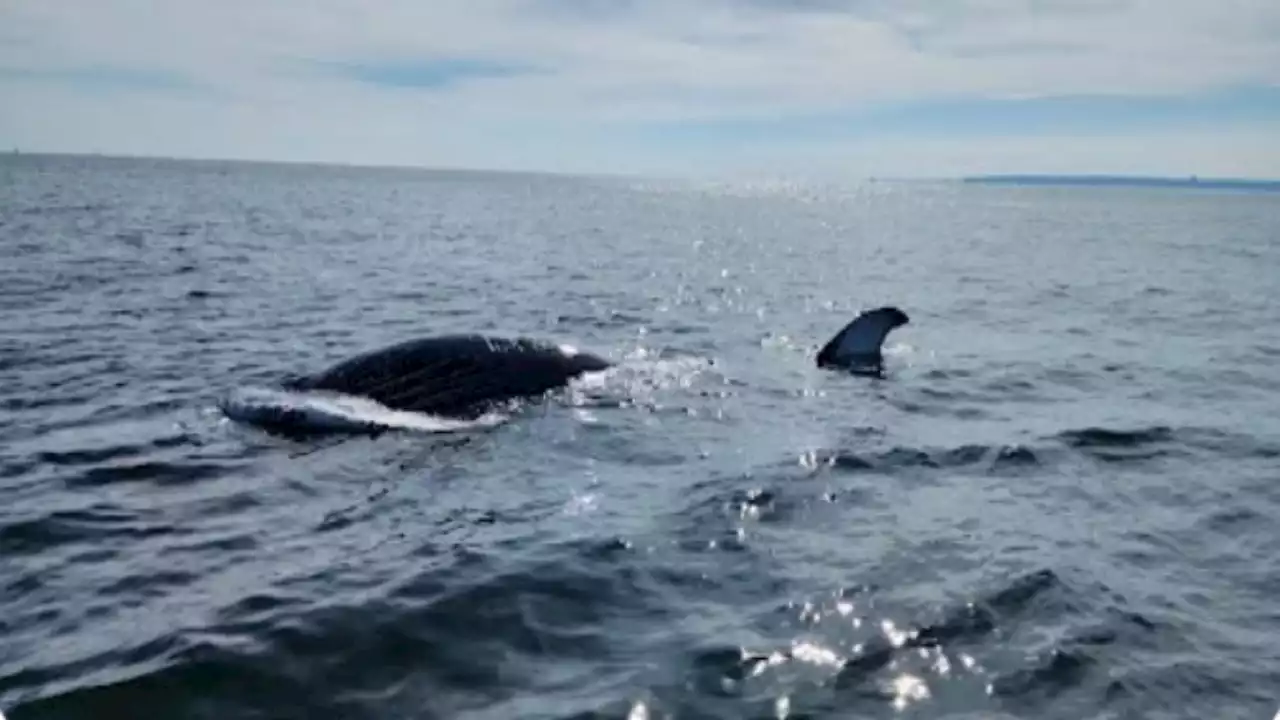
(857, 347)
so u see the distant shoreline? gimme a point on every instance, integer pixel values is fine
(1192, 182)
(1027, 179)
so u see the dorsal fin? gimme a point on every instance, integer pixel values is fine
(857, 346)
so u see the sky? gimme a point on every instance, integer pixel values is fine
(708, 88)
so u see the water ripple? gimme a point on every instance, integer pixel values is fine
(1058, 503)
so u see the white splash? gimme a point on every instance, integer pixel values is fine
(638, 380)
(895, 636)
(907, 689)
(816, 654)
(782, 707)
(581, 504)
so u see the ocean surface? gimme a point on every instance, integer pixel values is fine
(1062, 500)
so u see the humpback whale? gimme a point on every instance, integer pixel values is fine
(453, 375)
(465, 376)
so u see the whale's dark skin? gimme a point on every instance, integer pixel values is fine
(453, 375)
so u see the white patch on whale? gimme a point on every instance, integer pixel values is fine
(335, 412)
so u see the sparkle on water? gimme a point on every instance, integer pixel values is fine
(1060, 502)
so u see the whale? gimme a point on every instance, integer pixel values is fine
(466, 376)
(457, 376)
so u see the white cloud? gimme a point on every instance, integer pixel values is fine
(258, 93)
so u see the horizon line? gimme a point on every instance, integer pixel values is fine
(1077, 178)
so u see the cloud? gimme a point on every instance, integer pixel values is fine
(1236, 151)
(96, 77)
(974, 118)
(625, 84)
(433, 73)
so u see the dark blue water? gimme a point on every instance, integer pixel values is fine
(1061, 502)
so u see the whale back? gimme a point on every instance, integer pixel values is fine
(454, 375)
(858, 345)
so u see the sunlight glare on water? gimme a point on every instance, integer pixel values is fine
(1059, 501)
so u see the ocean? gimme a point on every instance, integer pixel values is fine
(1061, 500)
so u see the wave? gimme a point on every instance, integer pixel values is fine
(1103, 444)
